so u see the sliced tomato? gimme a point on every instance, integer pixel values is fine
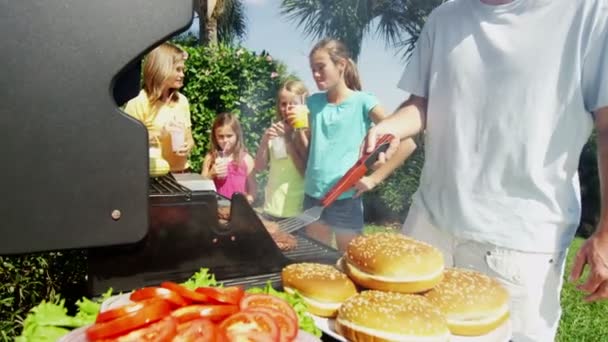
(228, 295)
(288, 328)
(264, 300)
(213, 312)
(109, 315)
(161, 331)
(248, 337)
(158, 293)
(185, 292)
(244, 323)
(150, 313)
(198, 330)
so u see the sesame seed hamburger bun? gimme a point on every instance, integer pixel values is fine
(389, 316)
(473, 303)
(393, 262)
(322, 287)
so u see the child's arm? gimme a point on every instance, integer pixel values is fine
(301, 143)
(301, 136)
(297, 159)
(406, 148)
(251, 182)
(206, 171)
(262, 156)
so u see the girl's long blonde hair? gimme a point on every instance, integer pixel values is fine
(293, 86)
(159, 65)
(338, 51)
(228, 119)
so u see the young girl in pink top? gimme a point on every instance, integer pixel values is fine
(228, 163)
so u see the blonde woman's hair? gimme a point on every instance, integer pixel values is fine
(338, 51)
(293, 86)
(159, 65)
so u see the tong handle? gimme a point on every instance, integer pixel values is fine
(357, 171)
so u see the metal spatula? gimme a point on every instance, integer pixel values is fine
(352, 176)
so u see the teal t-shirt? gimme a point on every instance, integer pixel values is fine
(337, 132)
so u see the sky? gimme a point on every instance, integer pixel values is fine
(380, 68)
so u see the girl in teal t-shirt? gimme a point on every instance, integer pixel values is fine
(340, 117)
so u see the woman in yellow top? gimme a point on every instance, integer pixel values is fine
(285, 188)
(162, 108)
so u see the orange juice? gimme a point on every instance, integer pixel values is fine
(301, 117)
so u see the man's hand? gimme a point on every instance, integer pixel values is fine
(594, 253)
(370, 144)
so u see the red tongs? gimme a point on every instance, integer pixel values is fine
(347, 182)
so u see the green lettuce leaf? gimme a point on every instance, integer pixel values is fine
(201, 278)
(48, 321)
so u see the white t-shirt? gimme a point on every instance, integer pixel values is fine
(510, 91)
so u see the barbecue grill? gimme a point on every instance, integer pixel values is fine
(75, 170)
(185, 234)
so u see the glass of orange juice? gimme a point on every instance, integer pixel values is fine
(300, 110)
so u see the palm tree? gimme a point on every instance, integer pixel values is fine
(226, 22)
(398, 21)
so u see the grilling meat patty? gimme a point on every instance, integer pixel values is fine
(284, 241)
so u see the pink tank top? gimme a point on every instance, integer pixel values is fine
(235, 181)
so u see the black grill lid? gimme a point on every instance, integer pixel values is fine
(71, 158)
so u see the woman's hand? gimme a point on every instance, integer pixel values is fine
(185, 150)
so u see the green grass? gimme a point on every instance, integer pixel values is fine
(581, 321)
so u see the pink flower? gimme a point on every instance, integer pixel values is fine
(274, 75)
(269, 58)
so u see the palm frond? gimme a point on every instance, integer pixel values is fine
(232, 22)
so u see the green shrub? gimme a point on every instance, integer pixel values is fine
(390, 201)
(28, 279)
(230, 79)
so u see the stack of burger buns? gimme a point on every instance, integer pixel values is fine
(405, 292)
(322, 287)
(393, 262)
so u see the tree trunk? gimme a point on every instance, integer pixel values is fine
(207, 23)
(211, 30)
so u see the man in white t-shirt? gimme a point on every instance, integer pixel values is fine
(507, 93)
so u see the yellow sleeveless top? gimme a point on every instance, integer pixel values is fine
(285, 188)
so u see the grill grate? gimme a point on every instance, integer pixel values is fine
(167, 186)
(307, 251)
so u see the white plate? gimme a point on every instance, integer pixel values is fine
(79, 335)
(501, 334)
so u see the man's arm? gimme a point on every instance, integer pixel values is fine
(405, 148)
(601, 123)
(594, 251)
(407, 121)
